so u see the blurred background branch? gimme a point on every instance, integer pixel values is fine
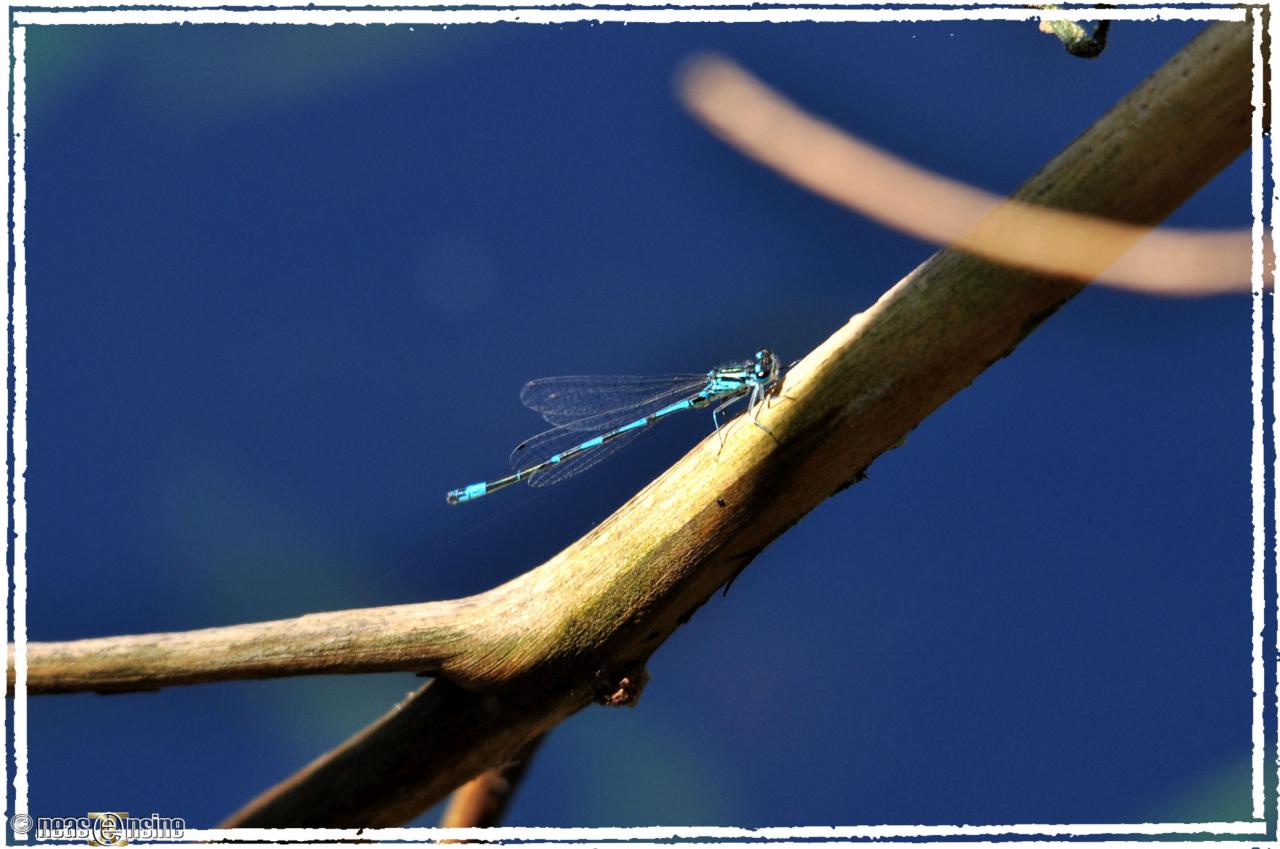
(767, 127)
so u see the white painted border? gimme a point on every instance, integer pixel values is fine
(1273, 32)
(701, 12)
(1257, 459)
(772, 835)
(1077, 10)
(609, 839)
(604, 841)
(8, 528)
(19, 424)
(566, 16)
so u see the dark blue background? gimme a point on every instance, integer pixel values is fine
(285, 283)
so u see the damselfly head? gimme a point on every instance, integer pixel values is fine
(767, 366)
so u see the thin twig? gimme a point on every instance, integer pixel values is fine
(482, 801)
(1076, 39)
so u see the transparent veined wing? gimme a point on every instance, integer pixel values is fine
(547, 444)
(601, 402)
(581, 462)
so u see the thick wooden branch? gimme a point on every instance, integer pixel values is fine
(520, 658)
(404, 637)
(425, 747)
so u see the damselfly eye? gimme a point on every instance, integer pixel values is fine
(764, 367)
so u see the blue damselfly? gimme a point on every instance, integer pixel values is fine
(618, 408)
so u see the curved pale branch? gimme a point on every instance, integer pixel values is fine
(828, 161)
